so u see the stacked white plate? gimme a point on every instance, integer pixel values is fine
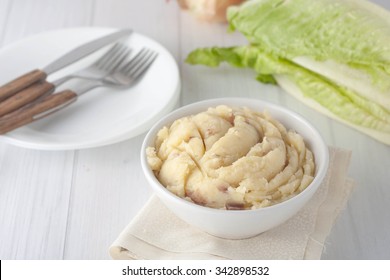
(102, 116)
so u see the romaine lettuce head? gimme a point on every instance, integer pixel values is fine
(313, 89)
(347, 41)
(333, 55)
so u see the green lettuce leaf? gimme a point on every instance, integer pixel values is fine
(340, 101)
(351, 32)
(343, 30)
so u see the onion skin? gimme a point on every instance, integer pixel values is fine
(208, 10)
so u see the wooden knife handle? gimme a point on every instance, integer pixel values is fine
(25, 96)
(21, 82)
(45, 107)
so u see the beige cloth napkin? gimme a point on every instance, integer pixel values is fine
(156, 233)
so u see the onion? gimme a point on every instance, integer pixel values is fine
(208, 10)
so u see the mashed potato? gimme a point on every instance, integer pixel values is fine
(231, 158)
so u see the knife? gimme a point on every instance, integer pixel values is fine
(32, 85)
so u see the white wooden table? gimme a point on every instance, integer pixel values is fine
(73, 204)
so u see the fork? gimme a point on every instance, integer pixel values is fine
(126, 75)
(101, 67)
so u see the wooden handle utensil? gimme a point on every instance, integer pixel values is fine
(21, 83)
(25, 96)
(35, 111)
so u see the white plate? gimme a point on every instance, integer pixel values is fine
(102, 116)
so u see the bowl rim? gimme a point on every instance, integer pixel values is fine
(158, 187)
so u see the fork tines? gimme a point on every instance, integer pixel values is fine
(114, 57)
(139, 63)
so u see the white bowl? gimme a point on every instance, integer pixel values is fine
(238, 224)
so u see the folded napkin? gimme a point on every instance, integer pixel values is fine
(156, 233)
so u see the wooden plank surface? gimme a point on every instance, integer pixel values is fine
(34, 198)
(108, 191)
(73, 204)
